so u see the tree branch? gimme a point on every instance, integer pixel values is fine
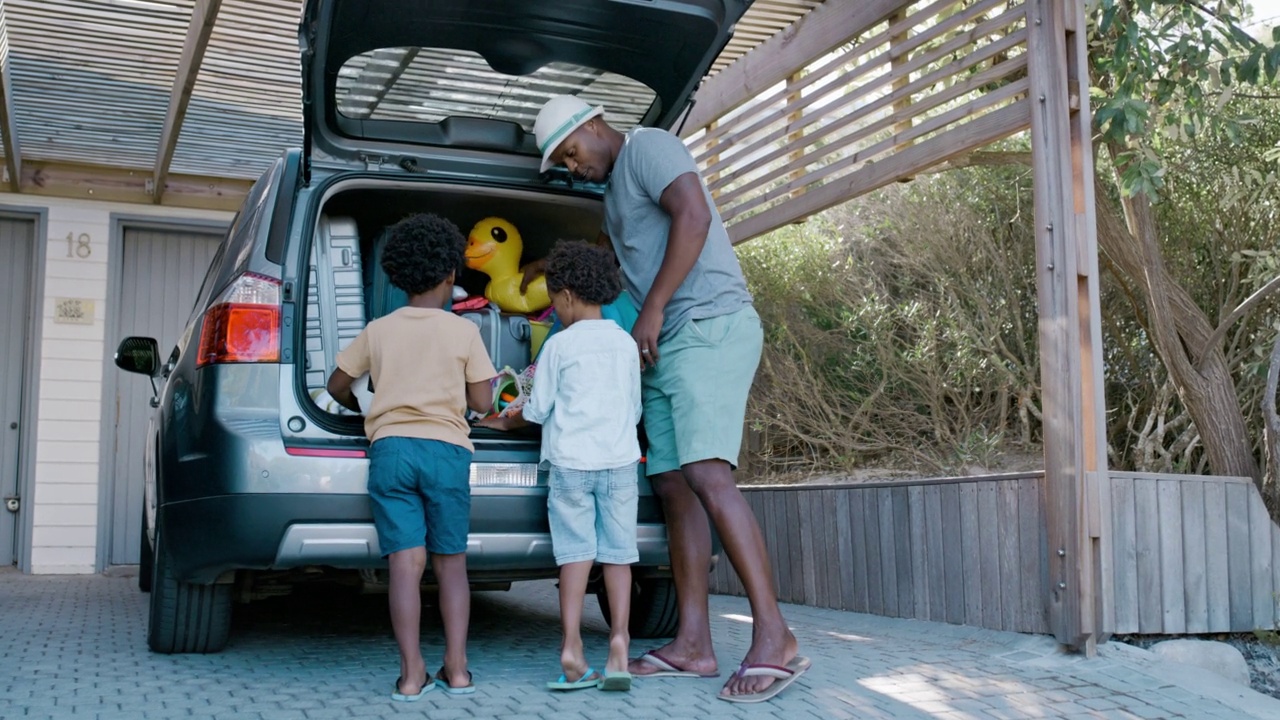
(1234, 316)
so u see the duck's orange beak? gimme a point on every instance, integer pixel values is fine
(479, 252)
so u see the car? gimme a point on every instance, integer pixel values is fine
(254, 483)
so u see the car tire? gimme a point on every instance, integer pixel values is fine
(146, 558)
(186, 618)
(654, 610)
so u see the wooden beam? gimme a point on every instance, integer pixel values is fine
(127, 185)
(8, 123)
(817, 33)
(984, 130)
(1070, 323)
(203, 16)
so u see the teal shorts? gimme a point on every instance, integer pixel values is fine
(695, 399)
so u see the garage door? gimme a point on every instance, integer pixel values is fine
(161, 276)
(16, 240)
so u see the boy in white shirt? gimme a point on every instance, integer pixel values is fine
(586, 396)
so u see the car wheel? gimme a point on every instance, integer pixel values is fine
(146, 558)
(654, 611)
(185, 618)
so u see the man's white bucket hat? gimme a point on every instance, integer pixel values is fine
(560, 116)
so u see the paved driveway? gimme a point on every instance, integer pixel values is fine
(73, 647)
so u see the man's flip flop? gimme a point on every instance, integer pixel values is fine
(666, 668)
(589, 679)
(427, 686)
(784, 677)
(442, 679)
(616, 681)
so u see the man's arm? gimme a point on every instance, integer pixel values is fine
(685, 202)
(339, 387)
(539, 267)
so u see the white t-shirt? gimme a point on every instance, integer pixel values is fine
(586, 396)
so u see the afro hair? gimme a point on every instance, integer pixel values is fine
(587, 271)
(421, 251)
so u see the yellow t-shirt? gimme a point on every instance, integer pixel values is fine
(419, 361)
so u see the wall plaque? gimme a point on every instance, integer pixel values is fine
(73, 311)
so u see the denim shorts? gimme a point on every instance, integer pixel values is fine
(421, 495)
(695, 399)
(593, 515)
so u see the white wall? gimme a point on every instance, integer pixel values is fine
(70, 396)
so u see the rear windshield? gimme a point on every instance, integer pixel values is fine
(430, 84)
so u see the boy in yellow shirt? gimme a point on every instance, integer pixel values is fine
(427, 367)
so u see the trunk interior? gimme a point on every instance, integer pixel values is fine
(346, 288)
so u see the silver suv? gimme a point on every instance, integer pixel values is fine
(253, 482)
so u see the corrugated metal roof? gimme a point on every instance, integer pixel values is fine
(91, 81)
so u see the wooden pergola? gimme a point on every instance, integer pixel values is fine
(184, 102)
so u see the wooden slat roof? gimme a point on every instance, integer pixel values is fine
(90, 81)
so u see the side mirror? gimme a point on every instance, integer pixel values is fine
(139, 355)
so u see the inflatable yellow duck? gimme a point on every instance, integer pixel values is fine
(494, 248)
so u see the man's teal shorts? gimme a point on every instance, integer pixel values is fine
(695, 399)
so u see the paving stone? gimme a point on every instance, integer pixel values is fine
(74, 647)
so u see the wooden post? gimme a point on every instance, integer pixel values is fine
(713, 178)
(1070, 323)
(901, 108)
(795, 138)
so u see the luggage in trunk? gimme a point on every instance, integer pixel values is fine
(381, 296)
(335, 297)
(507, 336)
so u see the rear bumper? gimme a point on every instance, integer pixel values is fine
(356, 545)
(207, 537)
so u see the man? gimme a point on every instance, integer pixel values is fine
(698, 339)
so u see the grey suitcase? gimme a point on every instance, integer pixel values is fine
(335, 297)
(506, 336)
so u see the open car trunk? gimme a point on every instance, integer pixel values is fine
(346, 289)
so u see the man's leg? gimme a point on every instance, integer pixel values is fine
(771, 640)
(406, 615)
(689, 543)
(455, 611)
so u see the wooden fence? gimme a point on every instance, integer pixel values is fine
(1191, 554)
(1188, 554)
(961, 550)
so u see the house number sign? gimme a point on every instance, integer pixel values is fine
(79, 246)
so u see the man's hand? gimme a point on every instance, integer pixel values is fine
(531, 273)
(646, 331)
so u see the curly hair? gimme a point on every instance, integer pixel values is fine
(587, 271)
(421, 251)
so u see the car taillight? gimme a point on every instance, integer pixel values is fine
(243, 324)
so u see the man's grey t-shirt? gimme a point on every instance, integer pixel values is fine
(649, 161)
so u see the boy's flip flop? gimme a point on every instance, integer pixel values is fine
(589, 679)
(427, 686)
(442, 679)
(616, 681)
(784, 677)
(666, 668)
